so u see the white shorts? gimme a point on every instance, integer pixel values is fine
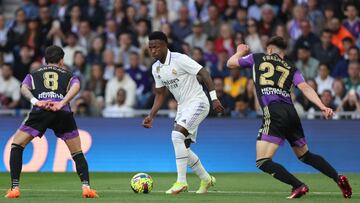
(191, 115)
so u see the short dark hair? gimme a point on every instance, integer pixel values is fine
(54, 54)
(158, 35)
(119, 65)
(278, 42)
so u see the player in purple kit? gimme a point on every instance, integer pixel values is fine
(49, 89)
(274, 77)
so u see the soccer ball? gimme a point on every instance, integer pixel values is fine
(141, 183)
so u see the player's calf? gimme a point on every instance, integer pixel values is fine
(16, 155)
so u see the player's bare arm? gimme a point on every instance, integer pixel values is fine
(204, 74)
(310, 93)
(74, 89)
(25, 91)
(241, 50)
(160, 94)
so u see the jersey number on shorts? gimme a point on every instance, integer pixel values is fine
(270, 69)
(51, 80)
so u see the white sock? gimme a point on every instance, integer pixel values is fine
(195, 164)
(181, 155)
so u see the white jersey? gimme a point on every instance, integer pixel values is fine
(178, 74)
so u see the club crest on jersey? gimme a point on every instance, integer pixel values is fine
(174, 71)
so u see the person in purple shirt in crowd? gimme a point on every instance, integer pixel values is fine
(352, 22)
(341, 68)
(49, 89)
(141, 76)
(274, 75)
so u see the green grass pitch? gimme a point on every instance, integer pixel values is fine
(231, 187)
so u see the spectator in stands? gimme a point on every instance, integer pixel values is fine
(61, 10)
(32, 37)
(55, 35)
(72, 23)
(80, 68)
(45, 23)
(110, 34)
(306, 64)
(30, 9)
(253, 38)
(224, 98)
(280, 30)
(341, 68)
(198, 55)
(235, 84)
(298, 107)
(254, 11)
(210, 55)
(225, 40)
(143, 12)
(86, 105)
(119, 109)
(128, 24)
(339, 33)
(250, 92)
(307, 38)
(324, 80)
(95, 13)
(351, 102)
(96, 51)
(293, 26)
(347, 44)
(182, 27)
(162, 15)
(242, 109)
(315, 16)
(353, 81)
(109, 64)
(329, 13)
(239, 24)
(199, 9)
(172, 106)
(327, 99)
(17, 31)
(9, 88)
(285, 11)
(212, 26)
(174, 44)
(3, 34)
(268, 20)
(352, 22)
(96, 82)
(339, 91)
(198, 36)
(22, 63)
(121, 80)
(86, 36)
(118, 11)
(230, 11)
(71, 47)
(303, 100)
(142, 31)
(220, 69)
(125, 48)
(141, 76)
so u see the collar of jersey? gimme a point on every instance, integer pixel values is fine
(168, 58)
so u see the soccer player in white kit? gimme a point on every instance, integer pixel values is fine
(178, 73)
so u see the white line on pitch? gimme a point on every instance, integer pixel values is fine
(160, 191)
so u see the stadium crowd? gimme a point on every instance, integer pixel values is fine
(105, 44)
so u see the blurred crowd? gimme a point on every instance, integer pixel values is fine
(105, 44)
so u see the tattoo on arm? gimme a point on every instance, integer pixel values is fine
(25, 91)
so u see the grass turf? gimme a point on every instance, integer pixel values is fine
(231, 187)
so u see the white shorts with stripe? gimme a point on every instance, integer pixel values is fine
(191, 115)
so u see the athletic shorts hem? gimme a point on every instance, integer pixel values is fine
(68, 135)
(31, 131)
(299, 143)
(272, 139)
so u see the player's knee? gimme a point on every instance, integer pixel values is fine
(181, 129)
(177, 137)
(261, 163)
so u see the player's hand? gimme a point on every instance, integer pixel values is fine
(217, 106)
(56, 106)
(243, 49)
(147, 122)
(327, 112)
(44, 104)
